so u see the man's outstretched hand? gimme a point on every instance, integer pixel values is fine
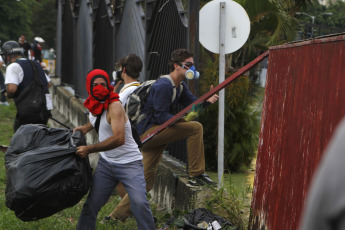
(214, 98)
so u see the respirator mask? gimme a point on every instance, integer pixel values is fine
(117, 77)
(191, 72)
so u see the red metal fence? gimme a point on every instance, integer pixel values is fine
(304, 101)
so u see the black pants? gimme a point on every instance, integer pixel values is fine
(41, 118)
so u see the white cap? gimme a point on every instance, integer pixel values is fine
(39, 39)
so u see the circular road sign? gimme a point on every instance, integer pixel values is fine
(237, 26)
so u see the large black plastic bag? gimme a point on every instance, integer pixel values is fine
(44, 175)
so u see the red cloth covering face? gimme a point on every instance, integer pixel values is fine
(99, 96)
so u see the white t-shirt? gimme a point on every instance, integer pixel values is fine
(128, 152)
(127, 90)
(15, 75)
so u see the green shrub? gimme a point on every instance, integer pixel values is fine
(242, 119)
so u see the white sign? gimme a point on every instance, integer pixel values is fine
(237, 26)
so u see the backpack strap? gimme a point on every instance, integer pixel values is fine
(36, 76)
(174, 87)
(133, 84)
(98, 121)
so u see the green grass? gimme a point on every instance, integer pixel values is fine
(231, 202)
(7, 116)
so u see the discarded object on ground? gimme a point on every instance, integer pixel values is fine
(44, 175)
(200, 215)
(200, 219)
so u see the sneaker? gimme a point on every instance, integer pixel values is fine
(4, 103)
(207, 180)
(107, 218)
(200, 180)
(194, 182)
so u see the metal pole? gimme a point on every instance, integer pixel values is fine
(312, 26)
(222, 27)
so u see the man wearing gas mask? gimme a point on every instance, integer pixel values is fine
(159, 108)
(127, 71)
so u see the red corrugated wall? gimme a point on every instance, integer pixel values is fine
(304, 101)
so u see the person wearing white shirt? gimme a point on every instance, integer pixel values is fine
(2, 85)
(128, 71)
(20, 73)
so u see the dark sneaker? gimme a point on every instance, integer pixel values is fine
(207, 180)
(194, 182)
(200, 180)
(107, 218)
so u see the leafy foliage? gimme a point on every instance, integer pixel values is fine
(15, 17)
(44, 22)
(229, 203)
(338, 17)
(30, 18)
(241, 121)
(316, 9)
(272, 23)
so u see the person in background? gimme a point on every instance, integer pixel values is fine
(37, 49)
(25, 45)
(3, 100)
(128, 70)
(120, 159)
(19, 75)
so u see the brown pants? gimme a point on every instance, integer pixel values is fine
(153, 151)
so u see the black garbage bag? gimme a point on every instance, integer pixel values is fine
(44, 175)
(196, 216)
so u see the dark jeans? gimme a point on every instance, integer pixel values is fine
(2, 86)
(105, 178)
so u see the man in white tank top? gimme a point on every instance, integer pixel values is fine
(120, 159)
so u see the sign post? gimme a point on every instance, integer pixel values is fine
(224, 28)
(221, 109)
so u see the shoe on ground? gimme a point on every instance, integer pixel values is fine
(200, 180)
(4, 103)
(108, 219)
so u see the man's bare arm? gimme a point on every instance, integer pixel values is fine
(84, 129)
(117, 122)
(11, 90)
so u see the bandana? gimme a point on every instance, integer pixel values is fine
(99, 97)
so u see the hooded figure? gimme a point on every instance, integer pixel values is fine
(99, 96)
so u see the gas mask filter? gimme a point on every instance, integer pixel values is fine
(117, 77)
(191, 73)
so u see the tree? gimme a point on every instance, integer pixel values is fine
(323, 24)
(30, 18)
(44, 22)
(338, 17)
(15, 18)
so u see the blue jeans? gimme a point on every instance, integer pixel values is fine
(105, 178)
